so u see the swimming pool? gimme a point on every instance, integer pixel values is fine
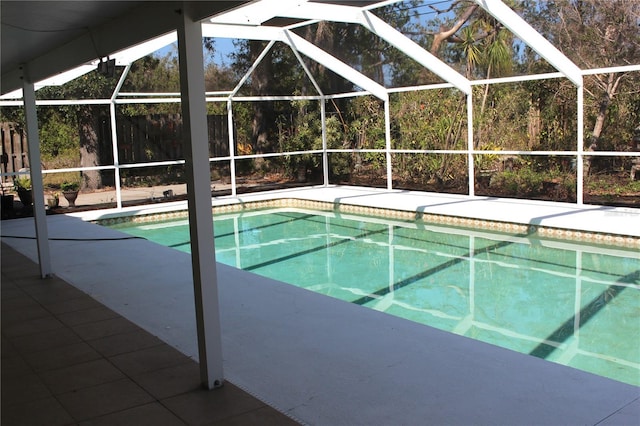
(569, 303)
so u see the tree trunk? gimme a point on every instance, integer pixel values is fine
(89, 147)
(483, 107)
(445, 33)
(259, 137)
(260, 82)
(534, 124)
(607, 97)
(602, 114)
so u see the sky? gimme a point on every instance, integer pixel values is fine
(223, 46)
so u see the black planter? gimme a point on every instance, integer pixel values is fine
(71, 196)
(7, 202)
(26, 196)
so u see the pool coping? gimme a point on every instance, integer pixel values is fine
(280, 199)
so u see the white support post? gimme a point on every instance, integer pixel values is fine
(114, 136)
(116, 160)
(232, 148)
(35, 168)
(472, 178)
(387, 137)
(580, 148)
(325, 156)
(205, 282)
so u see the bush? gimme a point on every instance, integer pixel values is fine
(527, 182)
(69, 186)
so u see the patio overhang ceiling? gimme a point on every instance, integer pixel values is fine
(52, 39)
(122, 58)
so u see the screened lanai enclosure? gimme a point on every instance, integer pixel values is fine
(480, 98)
(485, 98)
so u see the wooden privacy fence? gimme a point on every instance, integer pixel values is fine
(14, 150)
(159, 137)
(140, 139)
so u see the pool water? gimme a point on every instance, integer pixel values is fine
(569, 303)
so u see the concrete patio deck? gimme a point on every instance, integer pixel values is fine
(68, 359)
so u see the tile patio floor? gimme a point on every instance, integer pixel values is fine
(67, 359)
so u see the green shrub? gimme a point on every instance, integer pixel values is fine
(22, 182)
(69, 186)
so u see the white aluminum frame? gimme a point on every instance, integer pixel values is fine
(246, 22)
(470, 152)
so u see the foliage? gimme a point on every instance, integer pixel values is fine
(69, 186)
(532, 181)
(366, 130)
(58, 135)
(533, 115)
(609, 185)
(152, 75)
(505, 122)
(10, 114)
(595, 34)
(429, 120)
(487, 161)
(303, 133)
(22, 183)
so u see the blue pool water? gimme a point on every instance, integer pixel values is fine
(573, 304)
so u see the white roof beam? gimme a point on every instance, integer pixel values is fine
(123, 58)
(533, 39)
(252, 69)
(355, 15)
(130, 55)
(146, 21)
(301, 45)
(255, 13)
(415, 51)
(304, 66)
(56, 80)
(242, 32)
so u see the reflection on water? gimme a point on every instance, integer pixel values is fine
(569, 303)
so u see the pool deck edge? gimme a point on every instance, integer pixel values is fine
(620, 221)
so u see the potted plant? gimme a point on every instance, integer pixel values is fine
(54, 200)
(23, 188)
(7, 200)
(70, 191)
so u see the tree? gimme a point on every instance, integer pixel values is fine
(479, 42)
(594, 34)
(260, 82)
(90, 86)
(152, 75)
(447, 32)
